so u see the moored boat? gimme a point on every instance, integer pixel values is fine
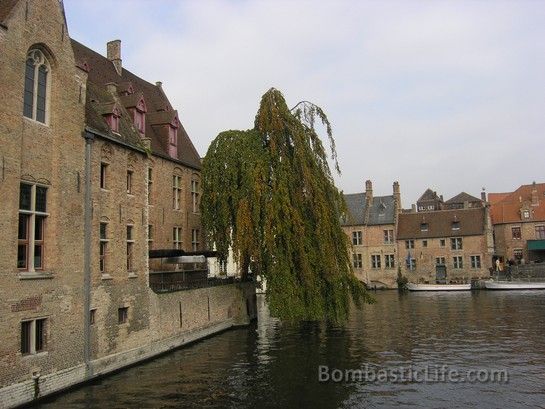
(514, 285)
(438, 287)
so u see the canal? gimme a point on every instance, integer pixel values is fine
(404, 345)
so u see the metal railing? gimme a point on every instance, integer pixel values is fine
(171, 281)
(521, 272)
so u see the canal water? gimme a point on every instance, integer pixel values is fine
(411, 350)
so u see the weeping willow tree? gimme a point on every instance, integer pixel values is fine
(268, 194)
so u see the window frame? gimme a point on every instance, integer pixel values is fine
(195, 242)
(457, 262)
(376, 261)
(177, 241)
(176, 192)
(103, 248)
(195, 195)
(33, 336)
(357, 260)
(39, 60)
(357, 238)
(389, 261)
(130, 248)
(456, 243)
(475, 261)
(388, 236)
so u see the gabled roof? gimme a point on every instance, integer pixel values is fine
(439, 224)
(462, 197)
(102, 72)
(428, 195)
(382, 211)
(506, 207)
(356, 205)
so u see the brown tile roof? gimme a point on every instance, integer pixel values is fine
(462, 197)
(506, 207)
(439, 224)
(102, 72)
(5, 9)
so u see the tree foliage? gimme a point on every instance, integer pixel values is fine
(268, 193)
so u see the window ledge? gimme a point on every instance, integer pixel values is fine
(34, 121)
(133, 275)
(106, 277)
(34, 355)
(34, 275)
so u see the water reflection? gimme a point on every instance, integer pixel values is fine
(273, 364)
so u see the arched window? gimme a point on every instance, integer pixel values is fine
(36, 86)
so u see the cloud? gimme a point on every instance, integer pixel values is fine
(442, 94)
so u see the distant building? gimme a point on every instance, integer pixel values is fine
(450, 245)
(371, 228)
(463, 200)
(519, 223)
(429, 201)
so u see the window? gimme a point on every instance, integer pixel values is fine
(423, 226)
(410, 263)
(409, 244)
(33, 336)
(130, 247)
(516, 233)
(475, 261)
(458, 262)
(92, 315)
(440, 261)
(177, 237)
(375, 261)
(129, 182)
(122, 315)
(103, 246)
(356, 238)
(195, 239)
(150, 236)
(442, 242)
(540, 232)
(36, 86)
(388, 236)
(150, 184)
(195, 195)
(517, 253)
(424, 243)
(357, 260)
(389, 261)
(455, 225)
(456, 243)
(103, 174)
(176, 192)
(31, 229)
(172, 141)
(526, 214)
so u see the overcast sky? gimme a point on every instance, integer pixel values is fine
(442, 94)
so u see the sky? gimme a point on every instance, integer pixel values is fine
(442, 94)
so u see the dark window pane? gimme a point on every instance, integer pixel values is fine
(29, 89)
(41, 199)
(40, 100)
(103, 231)
(38, 249)
(39, 228)
(129, 232)
(40, 335)
(25, 337)
(24, 196)
(23, 226)
(22, 255)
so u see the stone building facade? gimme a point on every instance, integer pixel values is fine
(452, 245)
(371, 226)
(96, 169)
(519, 223)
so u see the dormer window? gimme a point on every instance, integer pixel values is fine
(139, 120)
(455, 225)
(113, 119)
(173, 139)
(526, 214)
(423, 226)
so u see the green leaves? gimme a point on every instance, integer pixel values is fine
(268, 193)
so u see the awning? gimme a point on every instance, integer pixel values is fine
(536, 244)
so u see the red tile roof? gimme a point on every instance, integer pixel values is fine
(506, 207)
(102, 72)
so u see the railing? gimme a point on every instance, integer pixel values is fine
(171, 281)
(524, 272)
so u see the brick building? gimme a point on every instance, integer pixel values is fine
(96, 169)
(519, 223)
(371, 225)
(456, 244)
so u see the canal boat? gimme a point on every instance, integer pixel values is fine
(514, 285)
(438, 287)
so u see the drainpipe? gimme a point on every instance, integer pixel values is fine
(89, 138)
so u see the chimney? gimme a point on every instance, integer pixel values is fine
(368, 188)
(535, 199)
(397, 196)
(114, 54)
(413, 208)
